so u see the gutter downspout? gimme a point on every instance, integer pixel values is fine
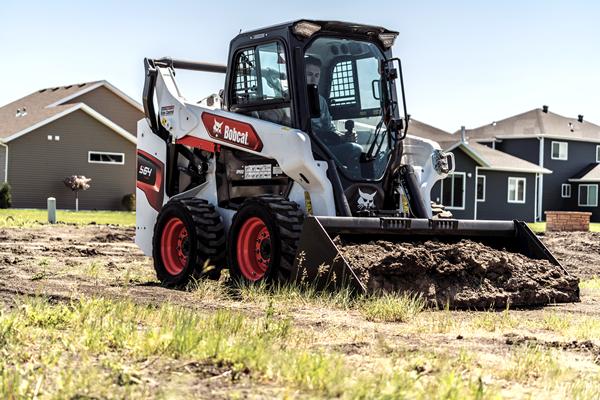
(5, 161)
(541, 185)
(475, 193)
(535, 211)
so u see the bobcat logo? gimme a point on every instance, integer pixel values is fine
(217, 127)
(366, 201)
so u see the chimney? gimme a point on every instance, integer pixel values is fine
(545, 109)
(580, 118)
(463, 137)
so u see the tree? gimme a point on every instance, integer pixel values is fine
(5, 197)
(77, 183)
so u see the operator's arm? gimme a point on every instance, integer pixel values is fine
(273, 79)
(326, 120)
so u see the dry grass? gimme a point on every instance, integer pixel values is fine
(391, 307)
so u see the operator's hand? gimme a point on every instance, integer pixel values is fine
(272, 77)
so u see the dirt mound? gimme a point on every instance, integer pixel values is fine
(466, 274)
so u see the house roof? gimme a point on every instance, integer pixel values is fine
(591, 173)
(537, 123)
(499, 161)
(426, 131)
(45, 105)
(485, 156)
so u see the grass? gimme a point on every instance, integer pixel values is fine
(532, 362)
(97, 348)
(391, 307)
(539, 227)
(591, 284)
(13, 217)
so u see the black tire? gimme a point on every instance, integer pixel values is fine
(204, 243)
(283, 221)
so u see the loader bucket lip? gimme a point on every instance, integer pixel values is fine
(417, 226)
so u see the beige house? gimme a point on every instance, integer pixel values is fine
(84, 129)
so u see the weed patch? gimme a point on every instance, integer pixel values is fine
(392, 307)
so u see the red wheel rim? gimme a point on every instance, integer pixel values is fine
(254, 249)
(174, 246)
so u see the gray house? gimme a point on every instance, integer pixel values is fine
(569, 147)
(486, 183)
(85, 129)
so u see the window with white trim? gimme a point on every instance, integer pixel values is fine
(565, 191)
(588, 195)
(560, 151)
(103, 157)
(453, 191)
(598, 153)
(516, 190)
(480, 187)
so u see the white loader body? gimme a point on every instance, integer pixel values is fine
(187, 121)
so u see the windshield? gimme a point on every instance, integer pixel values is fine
(350, 122)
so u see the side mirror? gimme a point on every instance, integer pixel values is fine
(396, 125)
(314, 106)
(376, 88)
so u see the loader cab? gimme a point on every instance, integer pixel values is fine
(346, 110)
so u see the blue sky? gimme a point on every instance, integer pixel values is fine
(465, 62)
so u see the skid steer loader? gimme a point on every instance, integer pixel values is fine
(307, 141)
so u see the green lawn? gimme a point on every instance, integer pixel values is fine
(27, 217)
(541, 226)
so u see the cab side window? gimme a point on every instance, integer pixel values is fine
(260, 85)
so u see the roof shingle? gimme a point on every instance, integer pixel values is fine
(36, 106)
(537, 123)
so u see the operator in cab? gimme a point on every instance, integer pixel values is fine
(346, 152)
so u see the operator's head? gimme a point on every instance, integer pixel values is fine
(313, 70)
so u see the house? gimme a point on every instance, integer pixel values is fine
(486, 183)
(569, 147)
(84, 129)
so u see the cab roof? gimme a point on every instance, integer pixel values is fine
(326, 26)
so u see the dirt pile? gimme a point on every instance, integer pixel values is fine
(466, 275)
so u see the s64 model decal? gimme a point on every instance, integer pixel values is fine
(150, 178)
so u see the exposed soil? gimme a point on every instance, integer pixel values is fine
(578, 252)
(56, 260)
(65, 262)
(466, 275)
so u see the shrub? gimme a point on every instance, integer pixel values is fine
(128, 202)
(5, 197)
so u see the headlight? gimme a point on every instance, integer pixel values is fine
(387, 39)
(305, 28)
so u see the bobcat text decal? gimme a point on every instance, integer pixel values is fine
(231, 131)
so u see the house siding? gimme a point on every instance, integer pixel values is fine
(574, 201)
(3, 151)
(496, 205)
(37, 166)
(112, 107)
(525, 149)
(580, 155)
(467, 165)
